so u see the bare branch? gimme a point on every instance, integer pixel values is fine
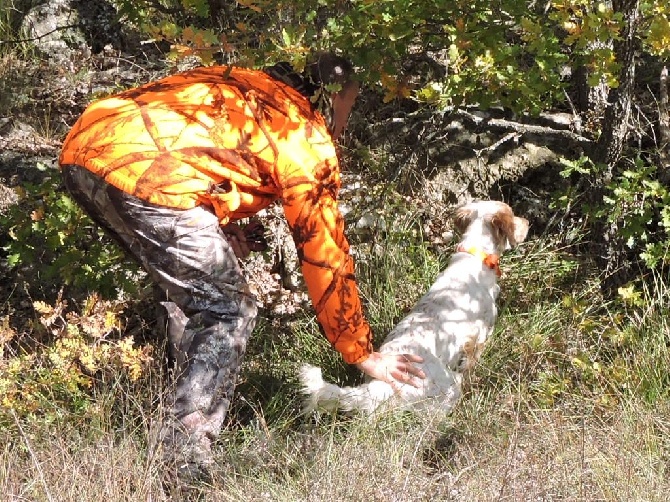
(43, 35)
(664, 112)
(520, 129)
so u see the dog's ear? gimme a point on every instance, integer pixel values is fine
(513, 228)
(463, 217)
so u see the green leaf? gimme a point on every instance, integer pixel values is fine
(200, 7)
(13, 260)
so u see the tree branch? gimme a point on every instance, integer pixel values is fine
(520, 129)
(39, 37)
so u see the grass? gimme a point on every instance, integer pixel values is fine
(569, 402)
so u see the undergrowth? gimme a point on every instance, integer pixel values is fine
(567, 379)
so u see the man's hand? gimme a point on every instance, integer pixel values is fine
(245, 240)
(393, 368)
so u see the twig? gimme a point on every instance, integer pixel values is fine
(664, 111)
(39, 37)
(514, 441)
(33, 457)
(455, 479)
(582, 457)
(504, 139)
(576, 118)
(521, 129)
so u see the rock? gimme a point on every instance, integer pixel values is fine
(8, 197)
(66, 30)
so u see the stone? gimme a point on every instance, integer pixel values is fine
(64, 30)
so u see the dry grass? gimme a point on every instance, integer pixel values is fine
(506, 441)
(543, 456)
(551, 456)
(64, 468)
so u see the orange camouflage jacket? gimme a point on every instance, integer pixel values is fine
(234, 140)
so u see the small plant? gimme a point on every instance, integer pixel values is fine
(67, 354)
(641, 204)
(636, 202)
(49, 237)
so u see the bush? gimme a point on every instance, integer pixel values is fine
(67, 354)
(50, 239)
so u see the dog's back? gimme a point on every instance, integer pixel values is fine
(459, 307)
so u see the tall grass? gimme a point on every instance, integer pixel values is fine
(569, 402)
(11, 15)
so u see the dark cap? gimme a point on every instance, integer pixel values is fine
(329, 68)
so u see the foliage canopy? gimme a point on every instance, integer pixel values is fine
(508, 53)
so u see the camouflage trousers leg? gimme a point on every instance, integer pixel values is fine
(211, 312)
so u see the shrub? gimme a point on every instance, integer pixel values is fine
(51, 240)
(54, 369)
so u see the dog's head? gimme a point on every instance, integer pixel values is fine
(506, 229)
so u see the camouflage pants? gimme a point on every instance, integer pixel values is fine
(211, 311)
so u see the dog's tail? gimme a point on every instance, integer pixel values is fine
(330, 397)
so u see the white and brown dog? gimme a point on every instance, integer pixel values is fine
(448, 326)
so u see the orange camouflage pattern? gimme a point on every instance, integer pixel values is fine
(234, 140)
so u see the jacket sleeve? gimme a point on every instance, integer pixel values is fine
(311, 210)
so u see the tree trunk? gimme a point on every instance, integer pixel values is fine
(592, 100)
(609, 248)
(664, 127)
(615, 125)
